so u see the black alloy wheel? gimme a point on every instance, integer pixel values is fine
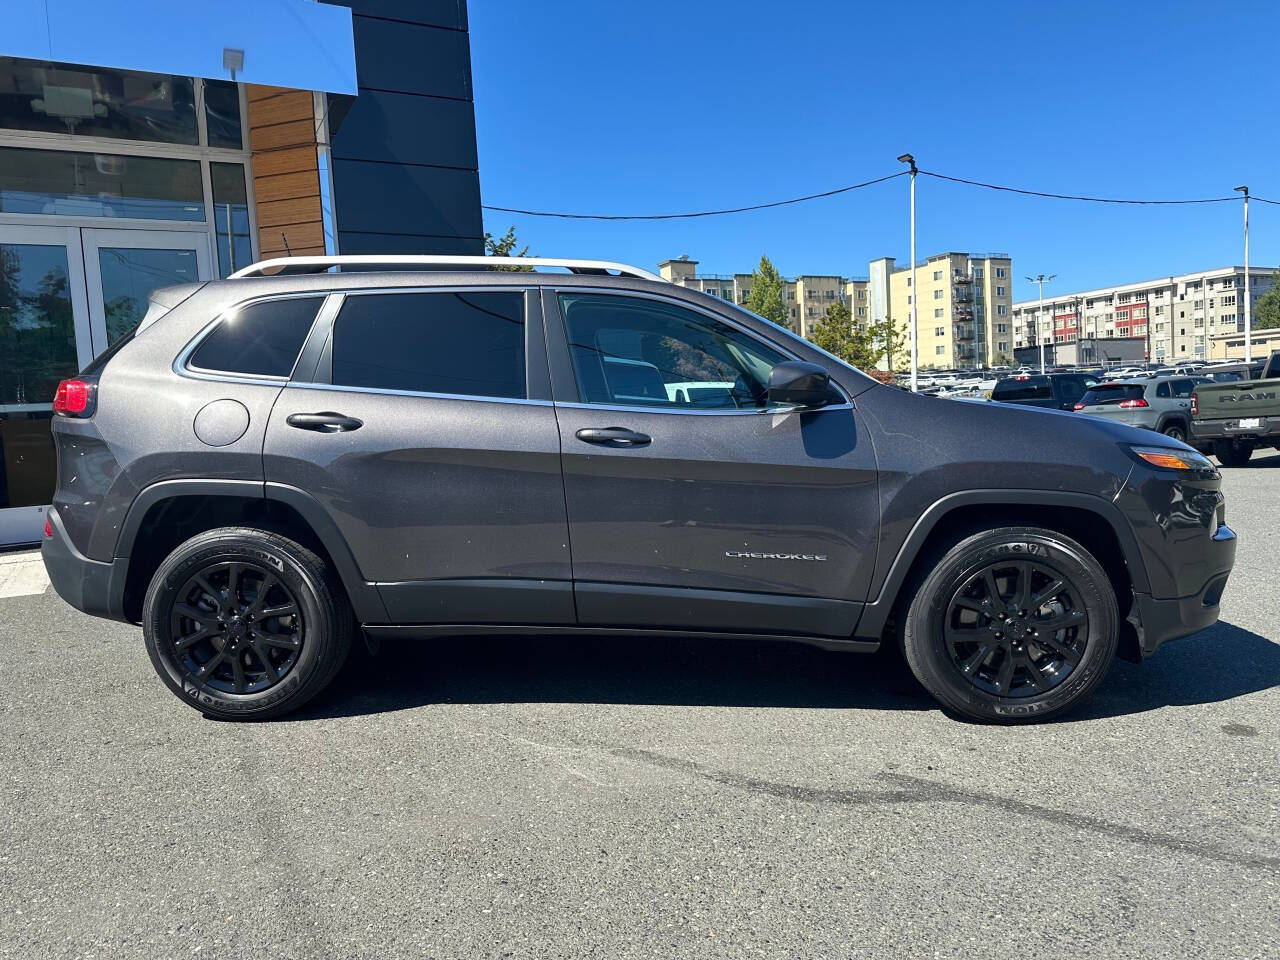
(1016, 628)
(1176, 431)
(236, 627)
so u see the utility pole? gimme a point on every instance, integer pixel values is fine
(1248, 298)
(1041, 280)
(915, 356)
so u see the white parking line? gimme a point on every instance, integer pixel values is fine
(22, 575)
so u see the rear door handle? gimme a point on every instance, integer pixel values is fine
(323, 422)
(613, 437)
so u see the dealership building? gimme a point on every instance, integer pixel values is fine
(134, 156)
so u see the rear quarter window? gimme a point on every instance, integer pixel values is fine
(260, 339)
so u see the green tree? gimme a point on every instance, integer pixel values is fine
(505, 246)
(1003, 360)
(889, 342)
(836, 334)
(1266, 312)
(767, 296)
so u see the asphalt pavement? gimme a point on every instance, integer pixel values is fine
(585, 798)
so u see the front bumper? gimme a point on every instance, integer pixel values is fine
(88, 585)
(1156, 620)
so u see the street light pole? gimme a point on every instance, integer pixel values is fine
(915, 356)
(1248, 298)
(1042, 280)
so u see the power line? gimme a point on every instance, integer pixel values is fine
(700, 213)
(1069, 196)
(868, 183)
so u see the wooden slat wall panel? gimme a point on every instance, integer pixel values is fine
(286, 177)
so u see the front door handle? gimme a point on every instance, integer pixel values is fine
(613, 437)
(324, 422)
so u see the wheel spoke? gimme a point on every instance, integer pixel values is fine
(233, 582)
(1066, 651)
(268, 583)
(186, 643)
(970, 666)
(281, 610)
(279, 640)
(993, 589)
(1061, 621)
(1004, 677)
(237, 670)
(193, 613)
(209, 591)
(1048, 593)
(211, 664)
(966, 635)
(982, 607)
(263, 653)
(1038, 679)
(1022, 593)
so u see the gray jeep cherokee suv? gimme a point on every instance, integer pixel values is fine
(428, 447)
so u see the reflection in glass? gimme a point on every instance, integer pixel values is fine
(99, 185)
(97, 102)
(37, 326)
(128, 276)
(231, 217)
(222, 114)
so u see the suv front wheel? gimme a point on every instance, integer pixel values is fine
(242, 623)
(1012, 625)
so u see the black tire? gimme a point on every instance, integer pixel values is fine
(189, 628)
(1051, 670)
(1232, 453)
(1176, 431)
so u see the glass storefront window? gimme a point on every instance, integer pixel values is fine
(99, 185)
(97, 102)
(37, 325)
(222, 114)
(231, 217)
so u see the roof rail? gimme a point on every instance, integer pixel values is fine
(293, 265)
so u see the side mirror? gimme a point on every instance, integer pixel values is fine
(803, 385)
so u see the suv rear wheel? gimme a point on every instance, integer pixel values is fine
(1012, 625)
(241, 623)
(1176, 430)
(1232, 453)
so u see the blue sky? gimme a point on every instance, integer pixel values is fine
(626, 107)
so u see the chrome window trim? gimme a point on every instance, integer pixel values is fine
(420, 394)
(756, 412)
(695, 308)
(183, 368)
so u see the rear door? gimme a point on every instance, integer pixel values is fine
(421, 423)
(691, 505)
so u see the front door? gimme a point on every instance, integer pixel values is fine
(691, 503)
(67, 293)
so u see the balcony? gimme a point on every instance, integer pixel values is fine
(964, 331)
(963, 296)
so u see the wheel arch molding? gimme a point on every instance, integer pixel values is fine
(281, 508)
(953, 509)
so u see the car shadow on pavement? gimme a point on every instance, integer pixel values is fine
(645, 670)
(1218, 664)
(1214, 665)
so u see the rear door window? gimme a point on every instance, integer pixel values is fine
(1162, 390)
(465, 343)
(1033, 388)
(1106, 394)
(258, 339)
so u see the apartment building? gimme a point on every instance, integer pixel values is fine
(1181, 317)
(807, 296)
(964, 314)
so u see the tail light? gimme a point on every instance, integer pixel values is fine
(48, 527)
(1131, 404)
(1195, 405)
(1078, 406)
(74, 398)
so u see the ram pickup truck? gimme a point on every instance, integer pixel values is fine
(1233, 419)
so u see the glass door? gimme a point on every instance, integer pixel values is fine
(66, 294)
(123, 266)
(44, 337)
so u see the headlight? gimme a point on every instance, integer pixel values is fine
(1171, 458)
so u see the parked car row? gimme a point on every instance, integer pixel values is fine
(1229, 409)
